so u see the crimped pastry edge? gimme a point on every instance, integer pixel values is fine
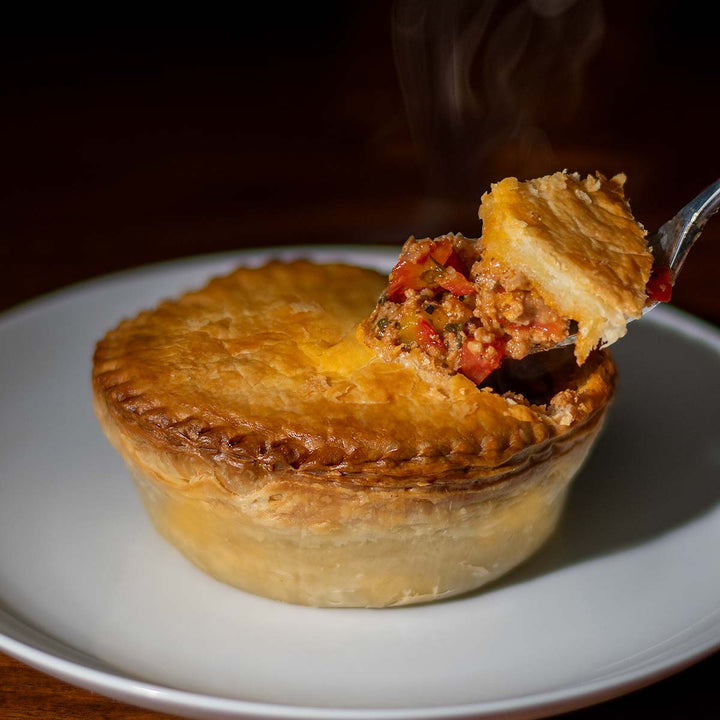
(215, 444)
(206, 428)
(286, 496)
(202, 434)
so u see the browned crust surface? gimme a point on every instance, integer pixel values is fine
(262, 369)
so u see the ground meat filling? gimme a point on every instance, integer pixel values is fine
(463, 314)
(507, 306)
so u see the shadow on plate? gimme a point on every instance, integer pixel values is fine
(656, 466)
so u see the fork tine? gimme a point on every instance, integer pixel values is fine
(672, 242)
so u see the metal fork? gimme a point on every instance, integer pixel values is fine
(671, 243)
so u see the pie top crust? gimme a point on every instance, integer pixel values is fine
(263, 369)
(578, 243)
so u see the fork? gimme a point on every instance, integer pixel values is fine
(671, 243)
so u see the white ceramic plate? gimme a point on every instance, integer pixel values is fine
(627, 591)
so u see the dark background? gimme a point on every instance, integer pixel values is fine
(139, 137)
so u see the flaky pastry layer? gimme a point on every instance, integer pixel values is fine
(578, 243)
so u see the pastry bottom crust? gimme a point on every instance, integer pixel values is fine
(377, 547)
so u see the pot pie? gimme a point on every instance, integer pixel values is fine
(281, 449)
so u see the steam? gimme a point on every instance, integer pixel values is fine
(482, 79)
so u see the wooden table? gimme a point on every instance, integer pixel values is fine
(130, 145)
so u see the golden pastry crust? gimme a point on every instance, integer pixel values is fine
(282, 456)
(578, 243)
(263, 367)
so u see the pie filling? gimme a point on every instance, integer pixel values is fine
(445, 306)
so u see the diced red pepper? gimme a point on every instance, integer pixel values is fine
(428, 337)
(455, 282)
(406, 275)
(442, 252)
(440, 266)
(454, 261)
(659, 286)
(478, 365)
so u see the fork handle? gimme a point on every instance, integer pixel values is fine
(679, 234)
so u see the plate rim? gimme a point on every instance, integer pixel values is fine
(166, 698)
